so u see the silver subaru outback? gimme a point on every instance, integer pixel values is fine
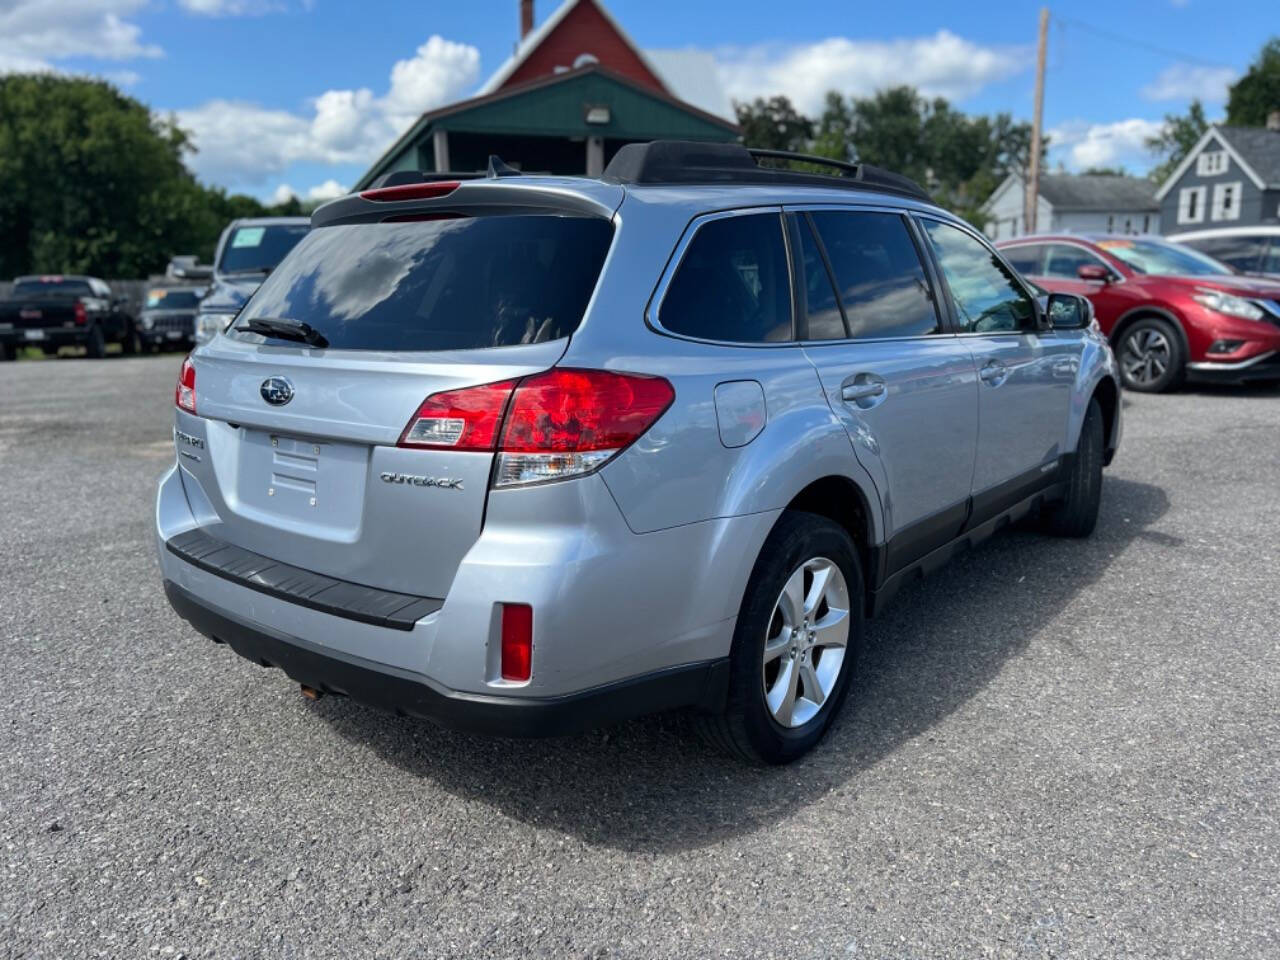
(527, 455)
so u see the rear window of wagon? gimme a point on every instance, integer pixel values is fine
(454, 283)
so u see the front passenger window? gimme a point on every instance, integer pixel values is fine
(987, 297)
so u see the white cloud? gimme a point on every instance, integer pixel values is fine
(327, 191)
(1122, 143)
(230, 8)
(1183, 82)
(35, 34)
(242, 142)
(939, 65)
(283, 194)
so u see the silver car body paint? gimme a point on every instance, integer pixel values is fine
(642, 565)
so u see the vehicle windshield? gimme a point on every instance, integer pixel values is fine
(460, 283)
(259, 249)
(172, 299)
(45, 286)
(1163, 259)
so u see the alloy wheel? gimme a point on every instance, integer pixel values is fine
(1146, 356)
(805, 642)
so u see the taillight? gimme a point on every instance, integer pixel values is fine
(412, 191)
(564, 423)
(82, 315)
(185, 394)
(550, 426)
(517, 641)
(465, 419)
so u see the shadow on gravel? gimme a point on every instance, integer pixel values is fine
(651, 785)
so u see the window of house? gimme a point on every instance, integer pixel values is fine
(1226, 201)
(1191, 204)
(878, 274)
(733, 283)
(987, 297)
(1211, 162)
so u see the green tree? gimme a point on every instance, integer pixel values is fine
(774, 124)
(1176, 138)
(94, 183)
(1257, 93)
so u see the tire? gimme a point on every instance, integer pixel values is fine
(131, 345)
(800, 545)
(1077, 514)
(1151, 357)
(95, 347)
(8, 352)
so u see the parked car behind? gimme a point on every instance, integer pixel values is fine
(248, 251)
(1253, 250)
(1170, 312)
(168, 316)
(531, 454)
(55, 311)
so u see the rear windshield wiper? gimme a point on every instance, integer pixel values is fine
(283, 328)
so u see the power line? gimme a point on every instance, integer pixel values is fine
(1141, 44)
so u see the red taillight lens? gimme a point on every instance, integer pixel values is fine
(575, 411)
(413, 191)
(559, 424)
(460, 419)
(517, 641)
(185, 394)
(82, 315)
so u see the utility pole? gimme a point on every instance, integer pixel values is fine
(1032, 200)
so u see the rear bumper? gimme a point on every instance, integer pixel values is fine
(701, 685)
(49, 337)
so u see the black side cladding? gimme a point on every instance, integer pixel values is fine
(692, 162)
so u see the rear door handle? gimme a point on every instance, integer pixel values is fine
(866, 390)
(993, 372)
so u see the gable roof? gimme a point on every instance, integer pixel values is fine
(1103, 193)
(540, 35)
(1254, 143)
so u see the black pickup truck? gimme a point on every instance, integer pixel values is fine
(56, 311)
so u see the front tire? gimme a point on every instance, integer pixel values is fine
(799, 630)
(1151, 357)
(1077, 514)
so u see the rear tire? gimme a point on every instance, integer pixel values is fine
(803, 604)
(95, 347)
(1151, 356)
(131, 345)
(1077, 514)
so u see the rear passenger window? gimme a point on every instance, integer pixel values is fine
(1066, 260)
(878, 274)
(732, 284)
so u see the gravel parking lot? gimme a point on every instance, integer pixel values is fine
(1052, 749)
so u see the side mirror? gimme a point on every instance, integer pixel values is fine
(1067, 311)
(1094, 272)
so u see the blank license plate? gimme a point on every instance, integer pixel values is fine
(34, 334)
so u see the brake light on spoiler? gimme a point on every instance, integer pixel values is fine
(550, 426)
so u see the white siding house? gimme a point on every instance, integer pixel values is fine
(1073, 203)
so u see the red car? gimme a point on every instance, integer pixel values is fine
(1170, 312)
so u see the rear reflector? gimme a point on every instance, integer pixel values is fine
(554, 425)
(413, 191)
(185, 393)
(517, 641)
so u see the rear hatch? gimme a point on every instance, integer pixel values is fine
(43, 304)
(395, 312)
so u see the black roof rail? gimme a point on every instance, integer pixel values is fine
(693, 162)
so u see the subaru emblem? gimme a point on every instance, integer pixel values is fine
(277, 391)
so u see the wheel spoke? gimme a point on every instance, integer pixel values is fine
(813, 691)
(816, 589)
(782, 698)
(791, 603)
(833, 629)
(776, 647)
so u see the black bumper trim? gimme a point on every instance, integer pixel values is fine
(703, 685)
(354, 601)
